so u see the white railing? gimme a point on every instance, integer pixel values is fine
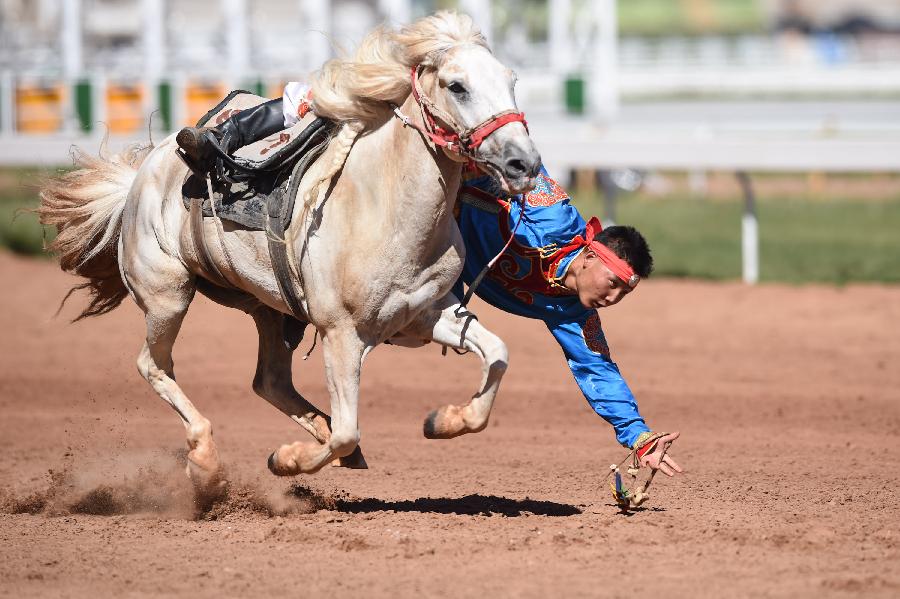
(568, 144)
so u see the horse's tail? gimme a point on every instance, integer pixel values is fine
(85, 206)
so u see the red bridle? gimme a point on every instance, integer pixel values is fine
(454, 138)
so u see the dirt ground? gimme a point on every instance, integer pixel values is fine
(787, 398)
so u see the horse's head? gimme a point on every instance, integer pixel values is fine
(471, 95)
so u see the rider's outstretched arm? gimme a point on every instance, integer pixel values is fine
(587, 353)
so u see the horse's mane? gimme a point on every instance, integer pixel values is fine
(355, 88)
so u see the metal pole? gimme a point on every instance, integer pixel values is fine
(604, 85)
(749, 231)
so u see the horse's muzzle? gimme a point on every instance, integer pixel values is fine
(520, 167)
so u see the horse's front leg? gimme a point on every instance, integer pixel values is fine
(343, 351)
(452, 327)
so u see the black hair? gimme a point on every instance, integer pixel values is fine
(629, 245)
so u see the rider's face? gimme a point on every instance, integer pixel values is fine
(596, 285)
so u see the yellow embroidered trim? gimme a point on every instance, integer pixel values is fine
(547, 250)
(554, 283)
(647, 438)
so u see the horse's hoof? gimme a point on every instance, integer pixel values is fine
(276, 468)
(428, 429)
(209, 485)
(355, 460)
(444, 423)
(298, 458)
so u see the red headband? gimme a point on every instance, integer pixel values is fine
(619, 267)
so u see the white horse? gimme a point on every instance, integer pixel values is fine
(375, 247)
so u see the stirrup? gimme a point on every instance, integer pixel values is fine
(198, 145)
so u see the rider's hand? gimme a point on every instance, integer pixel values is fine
(666, 464)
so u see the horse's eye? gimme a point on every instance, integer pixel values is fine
(457, 88)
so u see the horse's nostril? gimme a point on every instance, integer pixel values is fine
(515, 167)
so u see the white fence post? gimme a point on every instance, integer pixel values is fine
(749, 232)
(178, 86)
(153, 39)
(603, 88)
(560, 37)
(750, 248)
(316, 27)
(100, 112)
(70, 39)
(7, 103)
(238, 46)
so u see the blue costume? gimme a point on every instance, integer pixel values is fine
(527, 281)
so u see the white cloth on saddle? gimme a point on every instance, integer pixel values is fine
(296, 102)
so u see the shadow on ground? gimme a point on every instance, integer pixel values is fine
(470, 505)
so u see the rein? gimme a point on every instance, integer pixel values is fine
(454, 138)
(487, 267)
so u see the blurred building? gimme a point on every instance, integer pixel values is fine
(63, 61)
(846, 16)
(276, 37)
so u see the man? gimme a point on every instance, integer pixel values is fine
(562, 270)
(557, 268)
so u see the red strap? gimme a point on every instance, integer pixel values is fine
(438, 135)
(479, 135)
(646, 449)
(451, 139)
(619, 267)
(443, 139)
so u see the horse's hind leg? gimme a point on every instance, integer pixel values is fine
(461, 330)
(273, 382)
(344, 352)
(164, 289)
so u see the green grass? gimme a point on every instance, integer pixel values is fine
(670, 17)
(835, 241)
(650, 18)
(832, 241)
(20, 230)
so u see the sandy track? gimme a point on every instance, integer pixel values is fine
(788, 400)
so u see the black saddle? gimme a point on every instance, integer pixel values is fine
(244, 189)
